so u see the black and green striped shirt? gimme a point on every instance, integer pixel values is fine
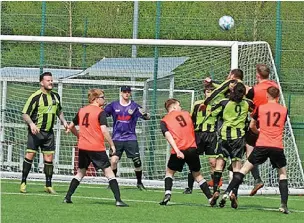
(43, 108)
(220, 92)
(202, 120)
(234, 117)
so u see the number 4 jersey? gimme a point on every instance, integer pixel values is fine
(89, 119)
(271, 118)
(180, 125)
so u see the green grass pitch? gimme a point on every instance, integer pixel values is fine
(95, 203)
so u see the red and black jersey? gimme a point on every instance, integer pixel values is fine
(180, 125)
(271, 118)
(89, 119)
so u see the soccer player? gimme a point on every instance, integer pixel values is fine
(125, 113)
(258, 94)
(40, 113)
(234, 112)
(178, 129)
(271, 117)
(221, 91)
(92, 122)
(205, 136)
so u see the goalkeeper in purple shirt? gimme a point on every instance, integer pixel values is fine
(125, 113)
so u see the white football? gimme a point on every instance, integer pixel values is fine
(226, 22)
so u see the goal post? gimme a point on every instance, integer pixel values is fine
(182, 64)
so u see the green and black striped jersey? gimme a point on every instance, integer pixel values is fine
(202, 120)
(43, 108)
(234, 116)
(220, 92)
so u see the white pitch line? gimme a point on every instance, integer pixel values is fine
(290, 198)
(142, 201)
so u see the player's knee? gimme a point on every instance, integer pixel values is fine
(137, 162)
(114, 159)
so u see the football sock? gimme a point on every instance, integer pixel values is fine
(216, 180)
(73, 186)
(283, 186)
(212, 176)
(27, 164)
(115, 188)
(138, 176)
(205, 188)
(235, 190)
(48, 171)
(235, 182)
(190, 180)
(115, 172)
(255, 172)
(168, 183)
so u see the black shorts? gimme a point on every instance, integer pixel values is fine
(191, 158)
(233, 149)
(44, 140)
(260, 154)
(100, 160)
(251, 138)
(206, 143)
(130, 147)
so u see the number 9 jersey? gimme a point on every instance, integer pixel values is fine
(180, 125)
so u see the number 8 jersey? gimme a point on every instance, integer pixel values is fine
(180, 125)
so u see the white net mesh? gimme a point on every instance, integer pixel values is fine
(179, 71)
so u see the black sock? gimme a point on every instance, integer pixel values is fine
(255, 172)
(48, 170)
(73, 186)
(115, 172)
(235, 190)
(190, 180)
(168, 183)
(216, 179)
(205, 188)
(27, 165)
(235, 182)
(283, 186)
(115, 189)
(138, 176)
(212, 176)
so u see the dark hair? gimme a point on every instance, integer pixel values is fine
(211, 87)
(238, 73)
(239, 90)
(273, 92)
(44, 74)
(170, 102)
(125, 88)
(263, 70)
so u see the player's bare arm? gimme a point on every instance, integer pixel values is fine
(107, 136)
(171, 141)
(253, 126)
(30, 122)
(62, 119)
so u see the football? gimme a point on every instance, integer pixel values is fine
(226, 22)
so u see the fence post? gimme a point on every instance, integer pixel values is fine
(154, 110)
(278, 50)
(42, 31)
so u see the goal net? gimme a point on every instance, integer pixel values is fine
(161, 69)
